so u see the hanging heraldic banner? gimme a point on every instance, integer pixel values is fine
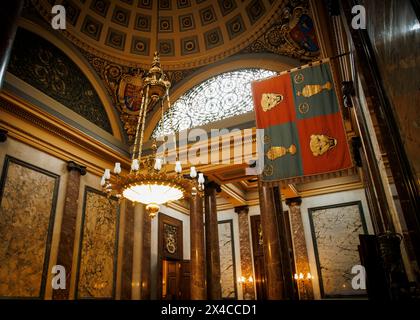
(303, 127)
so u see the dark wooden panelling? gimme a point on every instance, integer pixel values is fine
(166, 221)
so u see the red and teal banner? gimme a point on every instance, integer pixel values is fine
(303, 127)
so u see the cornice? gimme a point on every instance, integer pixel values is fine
(17, 109)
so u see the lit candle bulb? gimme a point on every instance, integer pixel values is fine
(296, 276)
(309, 276)
(103, 181)
(178, 167)
(135, 165)
(193, 172)
(117, 168)
(250, 279)
(194, 191)
(107, 174)
(158, 164)
(301, 275)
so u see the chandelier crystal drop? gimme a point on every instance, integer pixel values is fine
(150, 181)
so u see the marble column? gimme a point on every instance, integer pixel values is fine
(305, 288)
(9, 14)
(127, 262)
(198, 276)
(145, 276)
(277, 259)
(214, 288)
(245, 251)
(137, 251)
(68, 226)
(272, 258)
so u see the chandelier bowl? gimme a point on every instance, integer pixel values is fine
(153, 192)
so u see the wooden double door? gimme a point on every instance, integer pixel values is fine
(176, 279)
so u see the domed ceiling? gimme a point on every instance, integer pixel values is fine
(192, 33)
(118, 38)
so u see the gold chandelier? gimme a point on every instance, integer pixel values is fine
(149, 181)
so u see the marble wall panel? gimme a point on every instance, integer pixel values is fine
(98, 247)
(335, 232)
(28, 200)
(227, 260)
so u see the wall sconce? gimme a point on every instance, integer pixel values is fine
(301, 277)
(301, 281)
(243, 280)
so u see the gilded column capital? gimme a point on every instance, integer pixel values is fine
(209, 186)
(3, 135)
(242, 209)
(71, 165)
(297, 201)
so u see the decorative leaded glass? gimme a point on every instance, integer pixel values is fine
(223, 96)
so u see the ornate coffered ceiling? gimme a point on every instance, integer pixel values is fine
(117, 38)
(192, 33)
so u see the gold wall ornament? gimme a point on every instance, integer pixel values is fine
(170, 238)
(260, 235)
(267, 139)
(130, 92)
(298, 78)
(268, 170)
(320, 144)
(270, 100)
(279, 151)
(313, 89)
(304, 108)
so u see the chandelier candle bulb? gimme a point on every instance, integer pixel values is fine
(103, 180)
(117, 168)
(193, 173)
(107, 174)
(178, 167)
(158, 164)
(135, 165)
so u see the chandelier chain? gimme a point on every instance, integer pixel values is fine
(143, 120)
(136, 140)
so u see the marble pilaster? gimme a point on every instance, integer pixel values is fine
(198, 276)
(127, 260)
(245, 251)
(145, 276)
(214, 290)
(272, 257)
(300, 250)
(68, 226)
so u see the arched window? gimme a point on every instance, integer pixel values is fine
(225, 95)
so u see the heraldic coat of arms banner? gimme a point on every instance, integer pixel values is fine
(303, 126)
